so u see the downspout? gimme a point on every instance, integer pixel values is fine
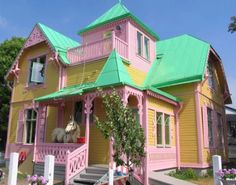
(177, 112)
(145, 123)
(198, 122)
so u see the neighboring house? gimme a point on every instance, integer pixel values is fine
(176, 87)
(231, 130)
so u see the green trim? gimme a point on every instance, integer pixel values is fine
(117, 12)
(59, 42)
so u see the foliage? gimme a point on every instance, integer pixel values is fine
(8, 52)
(227, 174)
(37, 180)
(232, 25)
(185, 174)
(120, 125)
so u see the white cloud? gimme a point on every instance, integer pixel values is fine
(3, 22)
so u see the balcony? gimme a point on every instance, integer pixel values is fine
(97, 50)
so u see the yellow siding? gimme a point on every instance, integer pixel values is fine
(151, 118)
(83, 73)
(51, 75)
(136, 75)
(160, 105)
(187, 118)
(214, 99)
(51, 123)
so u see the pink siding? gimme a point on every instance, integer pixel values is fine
(97, 34)
(137, 61)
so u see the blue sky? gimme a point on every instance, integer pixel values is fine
(205, 19)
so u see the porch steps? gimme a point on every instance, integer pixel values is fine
(90, 175)
(59, 171)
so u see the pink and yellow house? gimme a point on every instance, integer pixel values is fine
(176, 87)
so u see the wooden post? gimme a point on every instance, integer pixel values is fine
(49, 168)
(13, 169)
(217, 165)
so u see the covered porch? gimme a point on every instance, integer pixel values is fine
(81, 102)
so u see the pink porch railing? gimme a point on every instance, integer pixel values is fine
(75, 162)
(97, 50)
(59, 150)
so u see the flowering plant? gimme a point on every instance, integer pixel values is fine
(37, 180)
(227, 174)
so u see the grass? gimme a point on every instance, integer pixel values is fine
(190, 175)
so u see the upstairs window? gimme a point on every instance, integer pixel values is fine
(211, 80)
(31, 116)
(146, 43)
(210, 126)
(139, 43)
(37, 70)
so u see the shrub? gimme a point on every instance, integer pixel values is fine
(184, 174)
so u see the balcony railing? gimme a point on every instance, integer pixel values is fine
(98, 49)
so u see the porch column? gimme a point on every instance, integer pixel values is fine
(140, 110)
(88, 111)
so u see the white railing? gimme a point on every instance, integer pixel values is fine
(98, 49)
(75, 162)
(59, 150)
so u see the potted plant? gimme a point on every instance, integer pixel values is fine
(227, 176)
(37, 180)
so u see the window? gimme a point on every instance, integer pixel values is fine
(78, 113)
(220, 128)
(210, 128)
(159, 117)
(30, 125)
(211, 80)
(139, 43)
(37, 70)
(167, 129)
(146, 42)
(136, 115)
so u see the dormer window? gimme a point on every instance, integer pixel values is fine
(37, 70)
(139, 43)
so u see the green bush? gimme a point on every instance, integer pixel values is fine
(184, 174)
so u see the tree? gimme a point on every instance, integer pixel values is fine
(8, 52)
(120, 125)
(232, 25)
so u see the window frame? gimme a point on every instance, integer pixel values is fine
(147, 47)
(30, 84)
(161, 129)
(169, 129)
(31, 120)
(139, 44)
(210, 127)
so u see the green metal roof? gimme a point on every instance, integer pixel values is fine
(113, 72)
(58, 41)
(117, 12)
(179, 60)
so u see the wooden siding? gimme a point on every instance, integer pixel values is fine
(151, 118)
(51, 123)
(21, 93)
(84, 73)
(136, 75)
(187, 118)
(213, 98)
